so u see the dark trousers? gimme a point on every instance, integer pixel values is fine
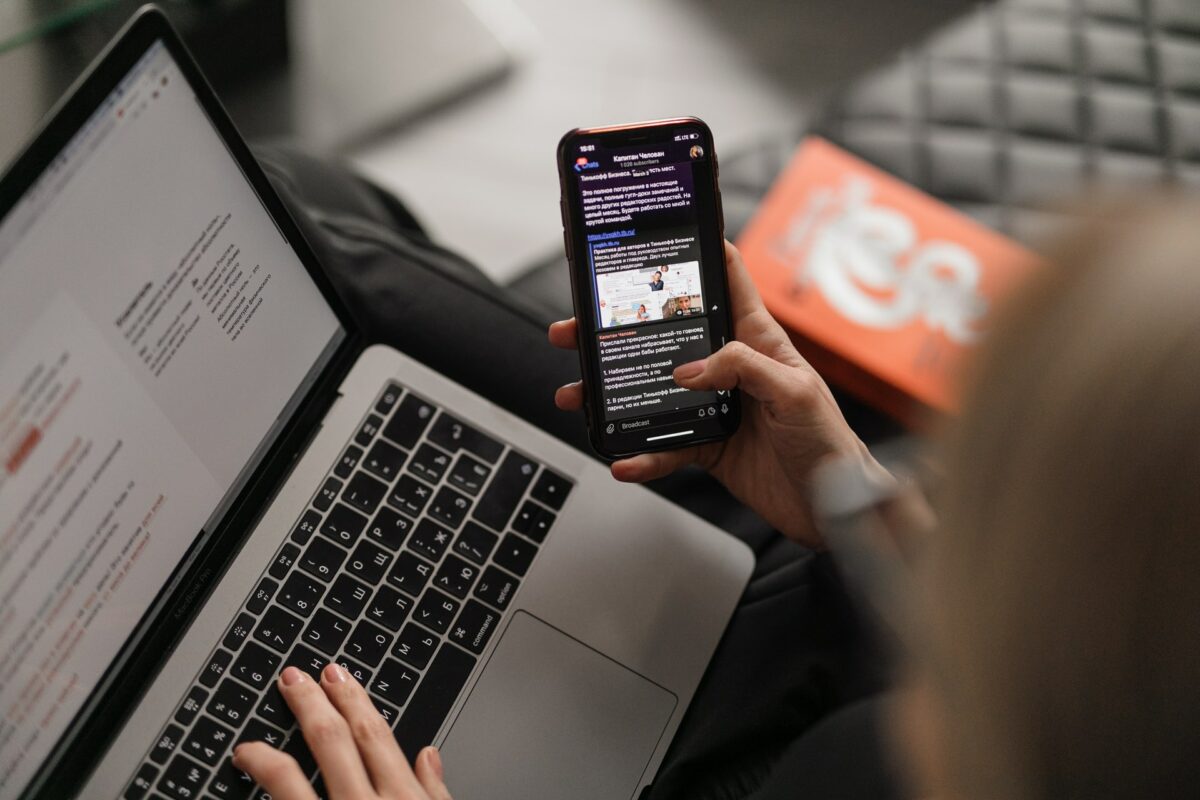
(790, 705)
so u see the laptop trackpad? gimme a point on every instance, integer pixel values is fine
(551, 717)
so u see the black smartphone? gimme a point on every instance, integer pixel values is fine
(644, 235)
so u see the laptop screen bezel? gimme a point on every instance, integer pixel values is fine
(77, 751)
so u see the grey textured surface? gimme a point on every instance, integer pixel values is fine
(1010, 113)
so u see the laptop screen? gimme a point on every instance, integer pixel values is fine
(155, 328)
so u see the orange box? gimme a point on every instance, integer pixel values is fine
(884, 288)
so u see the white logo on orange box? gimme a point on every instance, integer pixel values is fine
(867, 263)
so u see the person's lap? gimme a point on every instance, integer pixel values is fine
(795, 650)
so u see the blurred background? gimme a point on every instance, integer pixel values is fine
(457, 105)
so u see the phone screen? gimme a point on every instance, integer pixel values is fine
(646, 244)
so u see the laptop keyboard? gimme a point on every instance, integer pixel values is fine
(400, 570)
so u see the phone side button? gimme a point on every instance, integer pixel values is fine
(567, 245)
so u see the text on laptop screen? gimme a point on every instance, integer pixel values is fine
(154, 327)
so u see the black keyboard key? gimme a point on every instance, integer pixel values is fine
(343, 525)
(238, 632)
(453, 434)
(167, 743)
(306, 527)
(469, 474)
(429, 463)
(347, 596)
(495, 508)
(329, 492)
(307, 660)
(515, 554)
(297, 748)
(415, 646)
(142, 782)
(255, 666)
(278, 629)
(274, 709)
(231, 703)
(533, 521)
(350, 458)
(409, 422)
(191, 706)
(436, 611)
(475, 542)
(183, 779)
(364, 492)
(215, 668)
(356, 670)
(300, 594)
(523, 521)
(394, 682)
(389, 712)
(384, 461)
(497, 588)
(474, 626)
(551, 489)
(390, 528)
(409, 495)
(207, 741)
(258, 731)
(230, 783)
(431, 702)
(322, 559)
(369, 562)
(456, 576)
(410, 573)
(389, 608)
(368, 643)
(368, 430)
(430, 539)
(387, 400)
(326, 632)
(449, 507)
(262, 595)
(541, 526)
(283, 561)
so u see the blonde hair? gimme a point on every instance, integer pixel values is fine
(1064, 583)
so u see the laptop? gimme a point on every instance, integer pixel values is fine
(206, 476)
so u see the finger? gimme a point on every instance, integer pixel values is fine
(327, 734)
(565, 334)
(752, 322)
(429, 773)
(569, 397)
(377, 746)
(743, 294)
(737, 365)
(649, 466)
(275, 771)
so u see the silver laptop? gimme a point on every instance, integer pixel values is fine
(205, 477)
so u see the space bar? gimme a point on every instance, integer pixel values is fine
(431, 702)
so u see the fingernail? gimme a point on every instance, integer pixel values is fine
(291, 676)
(237, 753)
(435, 761)
(690, 370)
(334, 674)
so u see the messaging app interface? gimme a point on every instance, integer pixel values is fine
(643, 255)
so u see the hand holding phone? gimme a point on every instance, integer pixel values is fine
(790, 421)
(643, 232)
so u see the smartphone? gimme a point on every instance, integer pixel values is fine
(644, 236)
